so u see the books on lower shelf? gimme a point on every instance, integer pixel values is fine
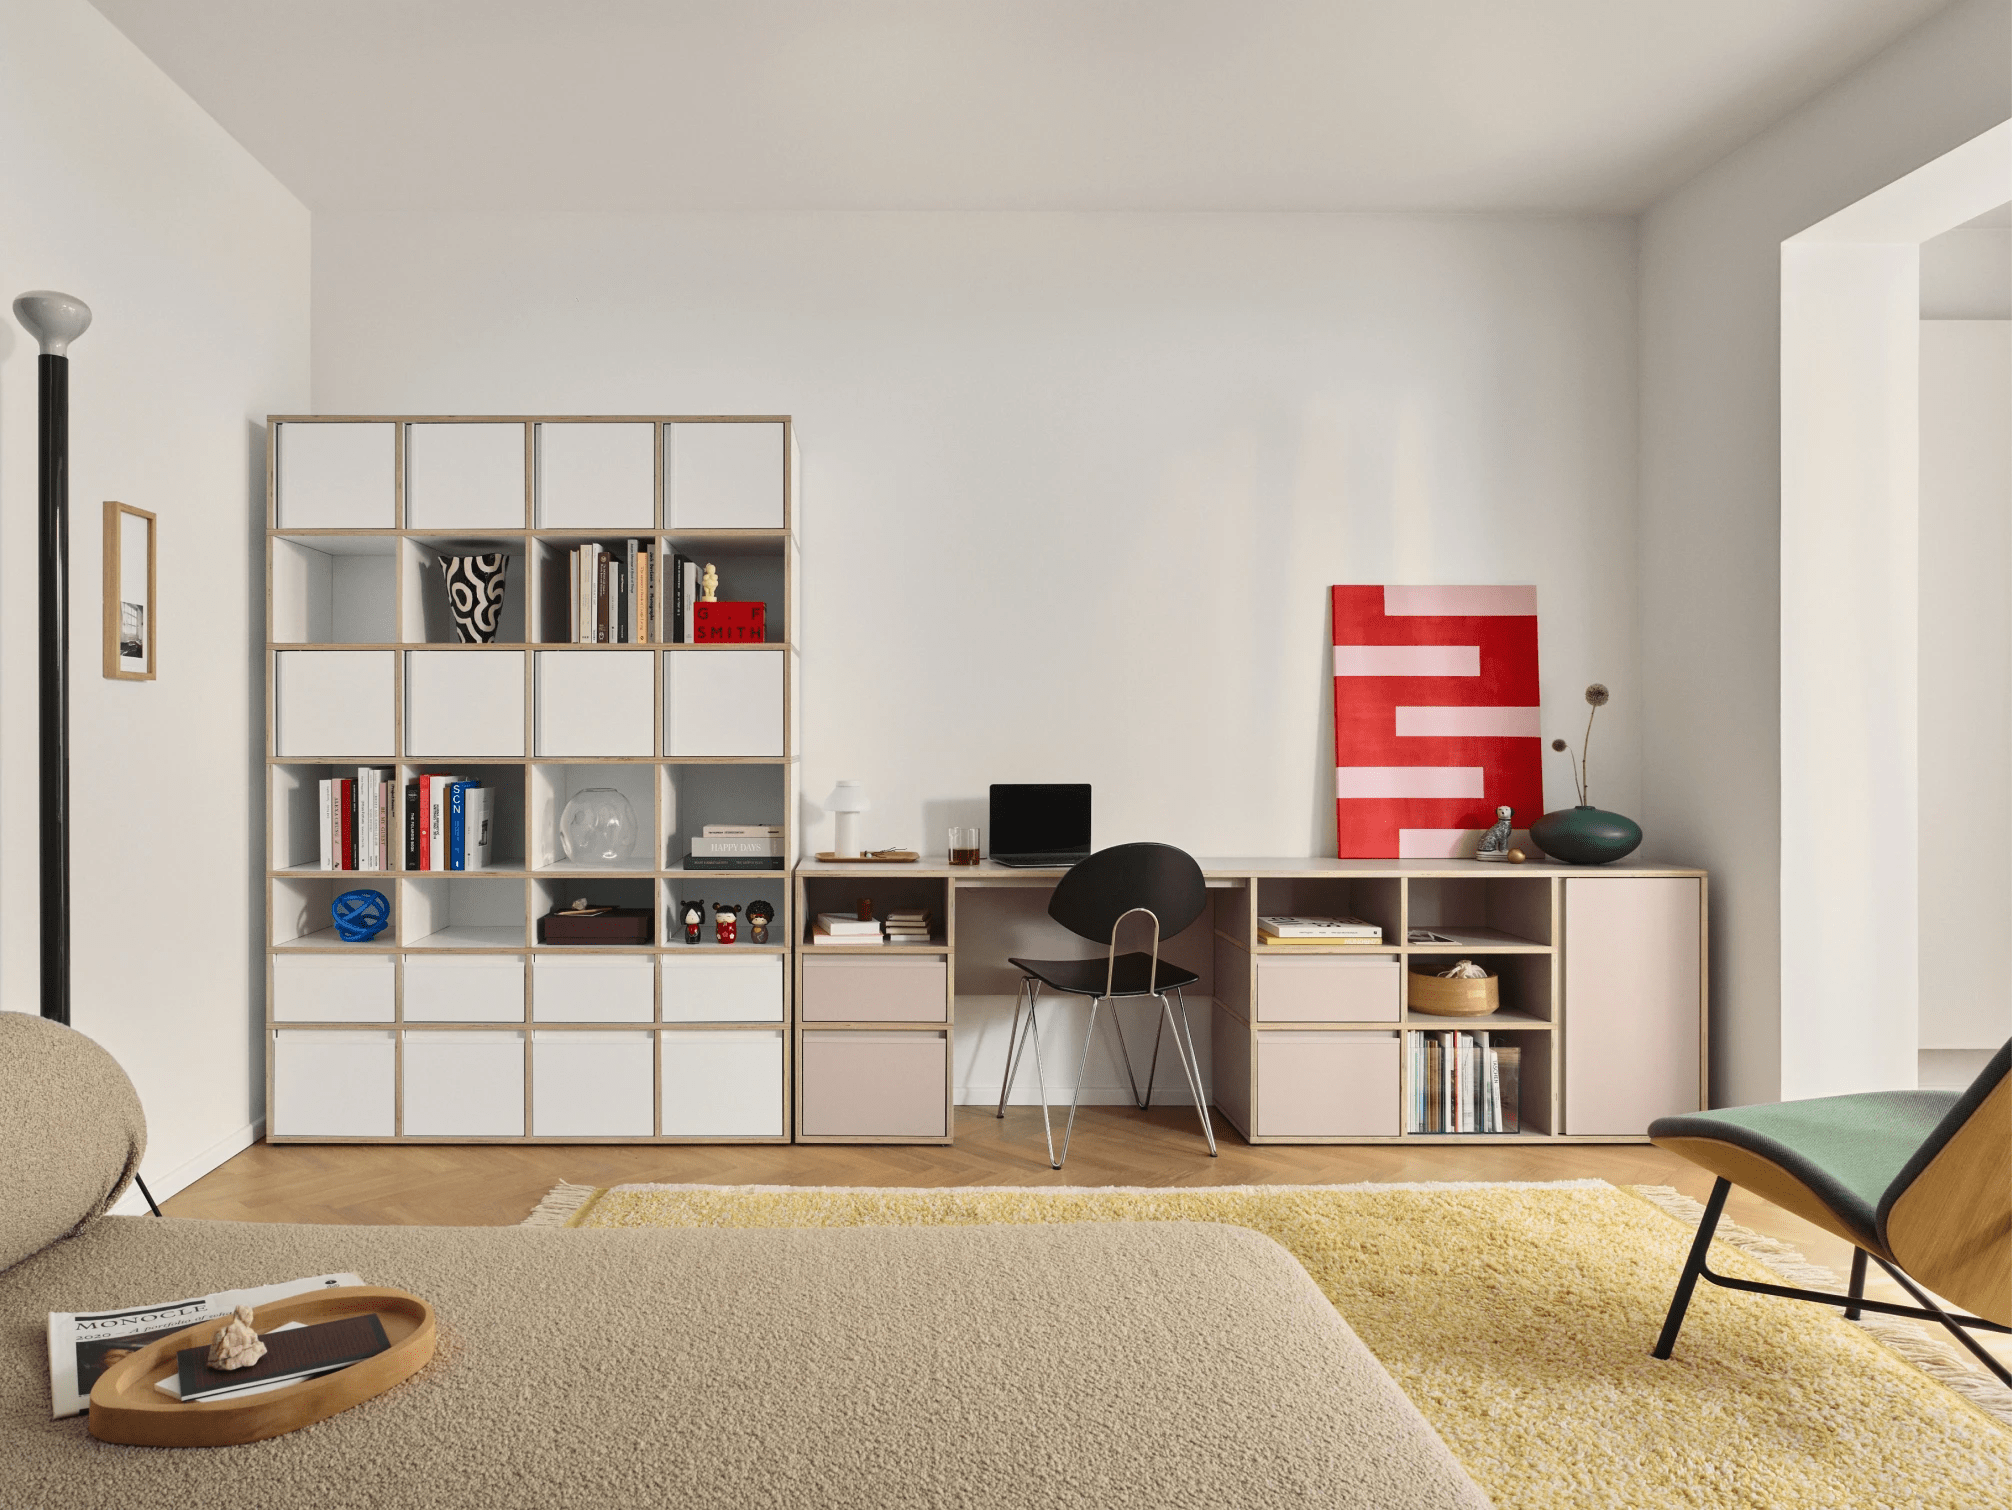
(1320, 930)
(356, 822)
(907, 925)
(450, 823)
(1463, 1083)
(613, 594)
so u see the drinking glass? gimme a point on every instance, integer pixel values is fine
(963, 846)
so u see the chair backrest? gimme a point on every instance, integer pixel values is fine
(1947, 1216)
(1097, 892)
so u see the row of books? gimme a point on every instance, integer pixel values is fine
(1461, 1083)
(640, 593)
(1320, 932)
(735, 846)
(357, 820)
(903, 925)
(449, 823)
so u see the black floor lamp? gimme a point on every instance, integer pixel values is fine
(55, 320)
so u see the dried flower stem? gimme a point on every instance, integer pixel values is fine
(1585, 769)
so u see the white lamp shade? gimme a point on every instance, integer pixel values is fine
(846, 797)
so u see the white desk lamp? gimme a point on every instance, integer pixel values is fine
(845, 804)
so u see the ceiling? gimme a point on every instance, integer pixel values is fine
(1490, 105)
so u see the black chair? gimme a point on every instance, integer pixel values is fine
(1092, 901)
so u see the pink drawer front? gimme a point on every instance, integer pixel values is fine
(907, 989)
(1327, 989)
(1327, 1085)
(874, 1085)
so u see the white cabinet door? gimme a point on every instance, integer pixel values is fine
(339, 476)
(594, 702)
(464, 1084)
(333, 703)
(741, 988)
(1632, 1001)
(723, 702)
(722, 1085)
(464, 703)
(592, 1085)
(724, 475)
(592, 988)
(597, 476)
(464, 988)
(464, 477)
(333, 1085)
(334, 987)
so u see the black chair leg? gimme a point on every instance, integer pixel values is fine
(1950, 1324)
(146, 1193)
(1857, 1290)
(1693, 1267)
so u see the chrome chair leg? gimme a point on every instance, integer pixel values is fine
(1040, 1075)
(1012, 1046)
(1076, 1098)
(1153, 1069)
(1125, 1054)
(1184, 1050)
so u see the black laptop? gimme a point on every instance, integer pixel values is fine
(1044, 824)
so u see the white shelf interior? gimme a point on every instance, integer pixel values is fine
(748, 573)
(724, 475)
(723, 703)
(597, 476)
(464, 703)
(333, 702)
(553, 786)
(739, 890)
(559, 893)
(464, 1084)
(695, 795)
(594, 702)
(427, 615)
(593, 1085)
(340, 476)
(461, 912)
(464, 476)
(300, 908)
(334, 590)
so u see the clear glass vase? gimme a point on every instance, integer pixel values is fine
(598, 825)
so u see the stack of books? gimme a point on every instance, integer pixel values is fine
(1461, 1083)
(836, 928)
(357, 822)
(614, 594)
(449, 823)
(1327, 933)
(736, 846)
(908, 925)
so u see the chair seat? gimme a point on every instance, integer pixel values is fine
(1085, 977)
(1843, 1151)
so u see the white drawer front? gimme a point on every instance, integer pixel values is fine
(333, 1085)
(592, 1085)
(334, 987)
(723, 1085)
(744, 988)
(464, 988)
(592, 988)
(464, 1085)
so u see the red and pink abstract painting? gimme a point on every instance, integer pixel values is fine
(1436, 715)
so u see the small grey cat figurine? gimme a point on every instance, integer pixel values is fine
(1495, 843)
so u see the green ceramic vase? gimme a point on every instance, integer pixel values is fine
(1585, 835)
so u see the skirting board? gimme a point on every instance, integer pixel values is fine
(178, 1179)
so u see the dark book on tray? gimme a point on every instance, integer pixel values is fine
(293, 1354)
(733, 862)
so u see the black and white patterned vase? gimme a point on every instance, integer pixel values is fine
(475, 595)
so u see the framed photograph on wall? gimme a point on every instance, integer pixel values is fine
(129, 593)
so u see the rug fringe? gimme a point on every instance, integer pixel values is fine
(1934, 1357)
(1362, 1185)
(561, 1206)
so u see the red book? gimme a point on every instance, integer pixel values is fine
(425, 821)
(348, 790)
(730, 623)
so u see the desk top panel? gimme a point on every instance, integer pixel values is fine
(990, 872)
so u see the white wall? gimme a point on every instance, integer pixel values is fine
(1711, 483)
(1966, 274)
(1966, 680)
(194, 260)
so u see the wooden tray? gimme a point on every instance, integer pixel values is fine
(885, 857)
(125, 1406)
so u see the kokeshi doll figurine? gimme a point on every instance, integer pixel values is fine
(726, 921)
(694, 919)
(760, 915)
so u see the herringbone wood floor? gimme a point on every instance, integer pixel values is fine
(497, 1184)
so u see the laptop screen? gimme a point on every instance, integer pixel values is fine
(1040, 819)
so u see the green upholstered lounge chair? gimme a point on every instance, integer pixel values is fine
(1919, 1181)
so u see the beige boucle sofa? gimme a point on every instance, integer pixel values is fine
(1000, 1367)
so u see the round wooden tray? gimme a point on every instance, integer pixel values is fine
(125, 1406)
(1438, 996)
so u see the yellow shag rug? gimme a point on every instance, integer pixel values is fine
(1519, 1319)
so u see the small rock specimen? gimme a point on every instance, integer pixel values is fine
(237, 1345)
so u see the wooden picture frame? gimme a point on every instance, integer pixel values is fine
(131, 627)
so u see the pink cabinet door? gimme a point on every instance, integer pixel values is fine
(905, 989)
(1632, 1001)
(875, 1085)
(1327, 1085)
(1326, 989)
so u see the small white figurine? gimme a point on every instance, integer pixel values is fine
(709, 584)
(236, 1345)
(1495, 843)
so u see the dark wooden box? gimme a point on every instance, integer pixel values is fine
(618, 925)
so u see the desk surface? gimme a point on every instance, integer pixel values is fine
(990, 872)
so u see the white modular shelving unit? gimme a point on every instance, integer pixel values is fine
(455, 1024)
